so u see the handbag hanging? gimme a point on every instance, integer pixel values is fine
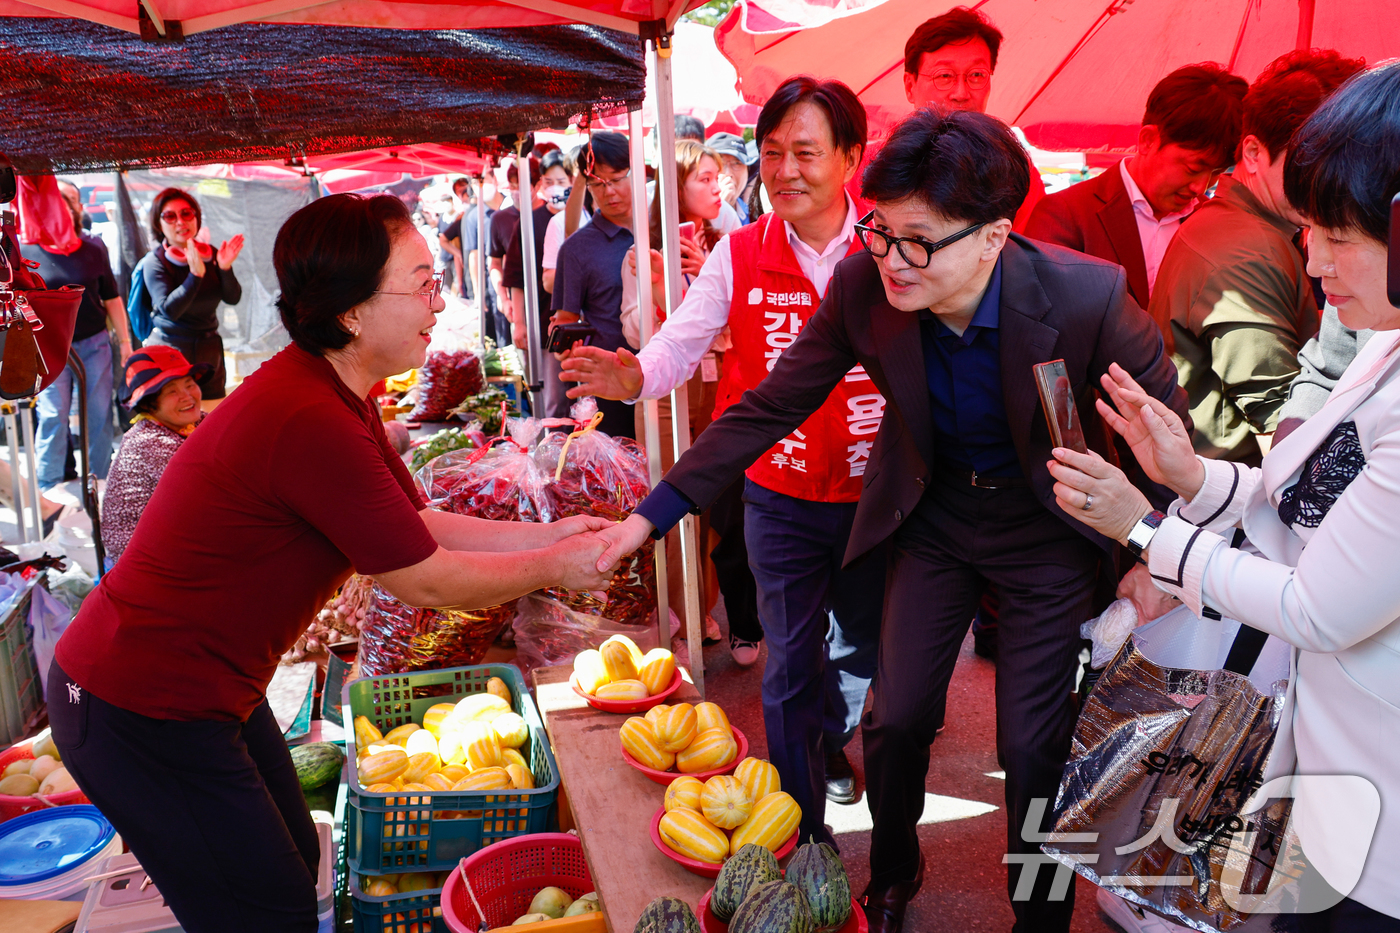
(36, 323)
(1164, 757)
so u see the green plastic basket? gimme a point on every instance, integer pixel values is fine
(394, 833)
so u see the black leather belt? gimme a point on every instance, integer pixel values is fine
(964, 476)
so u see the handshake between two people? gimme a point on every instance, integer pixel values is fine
(589, 549)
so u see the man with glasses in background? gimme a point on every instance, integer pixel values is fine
(948, 311)
(588, 277)
(948, 64)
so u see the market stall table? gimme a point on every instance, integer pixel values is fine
(612, 804)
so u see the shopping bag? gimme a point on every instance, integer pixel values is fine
(1167, 750)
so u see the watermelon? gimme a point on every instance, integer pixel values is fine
(667, 915)
(751, 866)
(816, 871)
(317, 763)
(773, 907)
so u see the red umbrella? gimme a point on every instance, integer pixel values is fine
(1074, 74)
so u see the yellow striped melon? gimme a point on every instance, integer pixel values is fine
(690, 834)
(420, 766)
(770, 823)
(383, 766)
(618, 662)
(366, 732)
(657, 669)
(655, 713)
(454, 773)
(483, 748)
(640, 743)
(684, 792)
(399, 734)
(622, 690)
(439, 781)
(479, 707)
(711, 749)
(589, 671)
(452, 749)
(485, 779)
(725, 802)
(513, 757)
(675, 729)
(511, 730)
(436, 715)
(709, 716)
(629, 644)
(759, 777)
(421, 741)
(521, 777)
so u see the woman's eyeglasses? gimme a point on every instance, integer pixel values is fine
(432, 291)
(171, 216)
(916, 251)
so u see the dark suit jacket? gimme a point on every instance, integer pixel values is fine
(1095, 217)
(1054, 304)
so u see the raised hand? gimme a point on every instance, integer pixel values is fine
(194, 259)
(228, 252)
(624, 538)
(1159, 440)
(602, 373)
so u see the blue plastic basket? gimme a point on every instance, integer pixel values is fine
(395, 832)
(416, 912)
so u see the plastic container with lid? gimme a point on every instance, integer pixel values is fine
(49, 854)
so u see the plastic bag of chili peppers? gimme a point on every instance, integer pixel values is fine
(397, 638)
(444, 380)
(591, 473)
(499, 481)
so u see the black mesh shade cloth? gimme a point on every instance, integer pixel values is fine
(78, 96)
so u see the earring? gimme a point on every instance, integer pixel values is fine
(354, 332)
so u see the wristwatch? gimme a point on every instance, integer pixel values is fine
(1141, 535)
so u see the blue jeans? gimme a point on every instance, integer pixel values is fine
(55, 402)
(822, 626)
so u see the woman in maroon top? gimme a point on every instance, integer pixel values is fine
(156, 694)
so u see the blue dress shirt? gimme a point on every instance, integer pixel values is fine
(964, 388)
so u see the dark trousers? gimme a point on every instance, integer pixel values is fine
(198, 348)
(731, 558)
(1348, 917)
(212, 810)
(958, 540)
(811, 699)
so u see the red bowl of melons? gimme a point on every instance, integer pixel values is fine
(665, 778)
(695, 866)
(628, 706)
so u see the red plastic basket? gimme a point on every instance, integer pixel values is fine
(709, 923)
(695, 866)
(664, 778)
(628, 706)
(11, 806)
(507, 875)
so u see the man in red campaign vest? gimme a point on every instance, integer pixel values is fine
(764, 281)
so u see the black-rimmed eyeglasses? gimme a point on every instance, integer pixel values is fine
(916, 251)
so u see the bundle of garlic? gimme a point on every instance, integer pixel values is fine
(339, 621)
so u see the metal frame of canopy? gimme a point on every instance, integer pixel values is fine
(652, 20)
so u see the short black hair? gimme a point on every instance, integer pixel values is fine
(513, 171)
(165, 197)
(551, 159)
(330, 256)
(955, 27)
(689, 127)
(1288, 91)
(964, 165)
(844, 112)
(1199, 107)
(1344, 165)
(610, 149)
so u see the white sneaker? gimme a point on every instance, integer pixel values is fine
(745, 653)
(1132, 918)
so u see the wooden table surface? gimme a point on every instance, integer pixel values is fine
(612, 803)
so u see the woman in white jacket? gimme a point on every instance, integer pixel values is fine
(1321, 520)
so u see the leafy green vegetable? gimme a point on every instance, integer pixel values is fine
(439, 444)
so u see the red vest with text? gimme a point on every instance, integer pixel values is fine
(824, 460)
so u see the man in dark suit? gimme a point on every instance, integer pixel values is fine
(948, 311)
(1130, 212)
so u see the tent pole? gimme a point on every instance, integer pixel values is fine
(534, 353)
(483, 277)
(1306, 9)
(660, 61)
(646, 316)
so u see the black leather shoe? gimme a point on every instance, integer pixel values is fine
(840, 779)
(884, 907)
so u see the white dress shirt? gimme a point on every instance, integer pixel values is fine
(1153, 233)
(677, 348)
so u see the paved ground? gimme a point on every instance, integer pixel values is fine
(964, 825)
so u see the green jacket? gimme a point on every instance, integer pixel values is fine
(1235, 304)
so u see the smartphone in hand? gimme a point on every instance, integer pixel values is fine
(688, 231)
(1057, 398)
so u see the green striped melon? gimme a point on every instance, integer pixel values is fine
(746, 869)
(773, 907)
(816, 871)
(317, 763)
(667, 915)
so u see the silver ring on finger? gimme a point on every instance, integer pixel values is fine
(1088, 502)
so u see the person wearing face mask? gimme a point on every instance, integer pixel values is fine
(549, 195)
(1233, 297)
(162, 391)
(187, 281)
